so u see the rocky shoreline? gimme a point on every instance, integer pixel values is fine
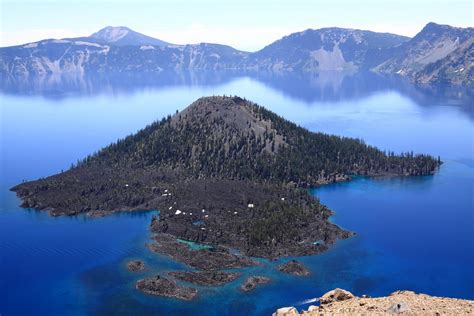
(205, 278)
(209, 262)
(193, 209)
(341, 302)
(202, 259)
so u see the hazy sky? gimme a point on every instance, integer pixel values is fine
(244, 24)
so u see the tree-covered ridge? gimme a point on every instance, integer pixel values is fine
(232, 138)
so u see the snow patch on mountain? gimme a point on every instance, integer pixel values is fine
(146, 47)
(88, 44)
(60, 41)
(31, 45)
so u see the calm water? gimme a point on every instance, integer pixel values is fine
(412, 233)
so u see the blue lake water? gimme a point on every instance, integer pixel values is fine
(412, 233)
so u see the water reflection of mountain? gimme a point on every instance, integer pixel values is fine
(59, 87)
(337, 86)
(322, 87)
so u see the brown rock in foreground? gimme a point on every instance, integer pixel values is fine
(336, 295)
(341, 302)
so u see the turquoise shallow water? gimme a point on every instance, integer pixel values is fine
(412, 233)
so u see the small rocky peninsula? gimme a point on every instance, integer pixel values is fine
(226, 174)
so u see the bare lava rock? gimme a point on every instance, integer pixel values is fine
(136, 265)
(205, 278)
(294, 267)
(160, 286)
(252, 282)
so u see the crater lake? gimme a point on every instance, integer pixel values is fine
(413, 233)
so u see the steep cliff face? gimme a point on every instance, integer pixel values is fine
(431, 52)
(52, 57)
(456, 68)
(56, 57)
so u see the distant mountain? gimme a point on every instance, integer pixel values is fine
(431, 49)
(326, 49)
(123, 36)
(438, 54)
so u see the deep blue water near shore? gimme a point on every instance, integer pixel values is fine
(412, 233)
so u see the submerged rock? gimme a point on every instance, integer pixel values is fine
(252, 282)
(206, 278)
(163, 287)
(136, 265)
(294, 267)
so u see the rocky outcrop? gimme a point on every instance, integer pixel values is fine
(252, 282)
(136, 265)
(286, 311)
(341, 302)
(163, 287)
(336, 295)
(205, 278)
(294, 267)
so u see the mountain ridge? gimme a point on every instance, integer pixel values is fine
(312, 51)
